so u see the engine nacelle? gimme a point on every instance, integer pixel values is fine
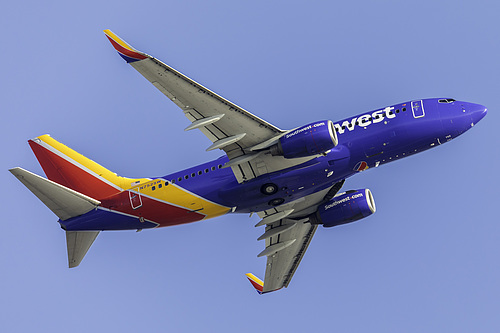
(308, 140)
(345, 208)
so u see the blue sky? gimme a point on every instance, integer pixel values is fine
(426, 261)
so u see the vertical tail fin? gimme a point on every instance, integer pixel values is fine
(65, 166)
(78, 243)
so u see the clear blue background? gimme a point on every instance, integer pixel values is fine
(427, 261)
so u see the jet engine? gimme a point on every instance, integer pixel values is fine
(345, 208)
(308, 140)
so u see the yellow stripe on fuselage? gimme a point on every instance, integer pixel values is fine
(171, 194)
(178, 196)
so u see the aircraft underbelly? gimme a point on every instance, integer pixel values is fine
(292, 185)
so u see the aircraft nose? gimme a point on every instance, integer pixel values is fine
(459, 117)
(477, 112)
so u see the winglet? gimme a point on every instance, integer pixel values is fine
(126, 51)
(256, 282)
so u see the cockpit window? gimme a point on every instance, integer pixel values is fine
(447, 100)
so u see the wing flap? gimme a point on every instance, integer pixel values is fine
(62, 201)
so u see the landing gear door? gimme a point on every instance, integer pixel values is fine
(135, 198)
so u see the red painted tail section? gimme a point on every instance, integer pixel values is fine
(71, 169)
(65, 173)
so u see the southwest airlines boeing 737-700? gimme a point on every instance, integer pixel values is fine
(290, 178)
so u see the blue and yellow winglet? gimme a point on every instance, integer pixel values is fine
(126, 51)
(257, 283)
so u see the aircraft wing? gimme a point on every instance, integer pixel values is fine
(288, 234)
(281, 265)
(230, 128)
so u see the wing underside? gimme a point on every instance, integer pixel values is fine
(242, 135)
(287, 235)
(281, 266)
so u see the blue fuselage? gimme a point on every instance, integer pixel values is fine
(365, 141)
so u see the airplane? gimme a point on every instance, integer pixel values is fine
(291, 179)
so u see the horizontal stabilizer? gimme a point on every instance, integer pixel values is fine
(62, 201)
(79, 242)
